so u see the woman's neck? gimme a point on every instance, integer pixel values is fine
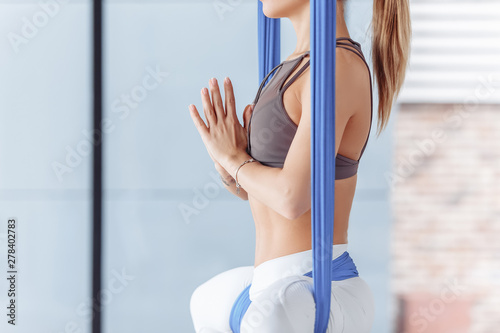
(302, 25)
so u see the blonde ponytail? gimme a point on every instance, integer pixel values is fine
(390, 52)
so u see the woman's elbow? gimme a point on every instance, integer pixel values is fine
(296, 205)
(295, 211)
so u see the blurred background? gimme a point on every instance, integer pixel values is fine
(425, 222)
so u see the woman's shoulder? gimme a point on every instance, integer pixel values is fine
(352, 78)
(352, 86)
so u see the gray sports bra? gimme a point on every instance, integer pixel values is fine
(271, 130)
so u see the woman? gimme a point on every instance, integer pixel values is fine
(267, 162)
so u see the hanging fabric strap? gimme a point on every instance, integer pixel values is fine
(342, 268)
(323, 46)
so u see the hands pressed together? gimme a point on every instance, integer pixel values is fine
(223, 135)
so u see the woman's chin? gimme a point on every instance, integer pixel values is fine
(271, 14)
(269, 11)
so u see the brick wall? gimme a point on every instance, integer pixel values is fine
(445, 198)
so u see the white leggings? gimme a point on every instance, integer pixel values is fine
(282, 299)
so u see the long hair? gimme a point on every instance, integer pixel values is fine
(390, 52)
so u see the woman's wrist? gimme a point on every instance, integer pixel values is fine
(228, 180)
(233, 163)
(225, 176)
(222, 172)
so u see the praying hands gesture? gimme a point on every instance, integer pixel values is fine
(223, 135)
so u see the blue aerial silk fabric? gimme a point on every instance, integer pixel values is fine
(323, 46)
(322, 62)
(342, 268)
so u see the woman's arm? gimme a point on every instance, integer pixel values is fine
(230, 183)
(287, 190)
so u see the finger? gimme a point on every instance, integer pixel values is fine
(229, 99)
(208, 108)
(199, 123)
(217, 99)
(247, 113)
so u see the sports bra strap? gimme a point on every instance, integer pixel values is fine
(300, 71)
(263, 82)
